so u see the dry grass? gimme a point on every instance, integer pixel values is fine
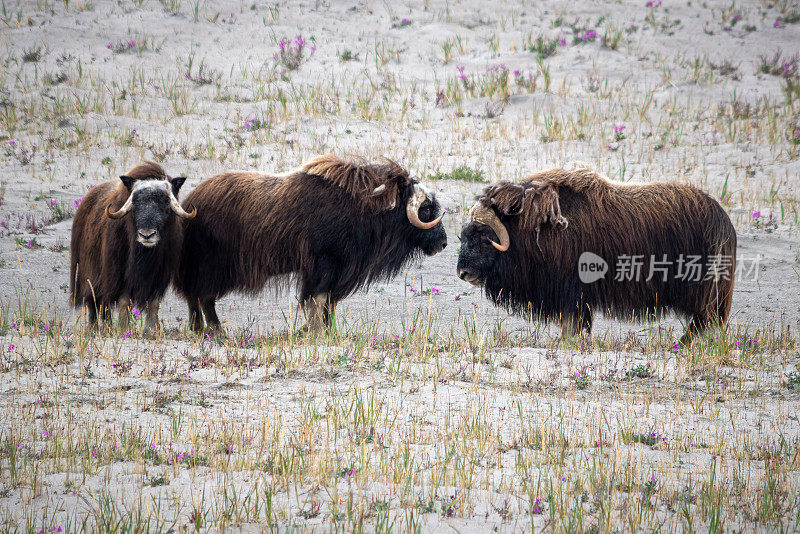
(421, 425)
(393, 430)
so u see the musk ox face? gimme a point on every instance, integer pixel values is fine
(152, 205)
(477, 256)
(430, 235)
(486, 237)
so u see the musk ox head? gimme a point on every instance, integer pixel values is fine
(424, 215)
(151, 200)
(504, 213)
(386, 187)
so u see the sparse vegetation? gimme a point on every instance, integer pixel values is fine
(541, 46)
(462, 173)
(427, 407)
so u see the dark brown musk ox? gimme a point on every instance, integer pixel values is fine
(126, 239)
(337, 225)
(563, 244)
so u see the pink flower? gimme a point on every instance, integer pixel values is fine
(756, 213)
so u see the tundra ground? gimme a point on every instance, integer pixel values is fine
(428, 408)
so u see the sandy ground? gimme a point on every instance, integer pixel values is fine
(99, 86)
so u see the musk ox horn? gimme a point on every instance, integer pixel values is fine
(122, 211)
(483, 215)
(177, 208)
(412, 210)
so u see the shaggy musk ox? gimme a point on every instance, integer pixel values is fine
(126, 239)
(337, 225)
(525, 244)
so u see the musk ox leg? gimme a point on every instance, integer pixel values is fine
(99, 317)
(124, 317)
(212, 320)
(195, 316)
(316, 310)
(573, 324)
(91, 313)
(329, 312)
(315, 294)
(151, 314)
(698, 325)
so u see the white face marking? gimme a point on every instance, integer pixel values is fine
(150, 184)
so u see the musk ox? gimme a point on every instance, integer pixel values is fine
(126, 239)
(337, 225)
(562, 244)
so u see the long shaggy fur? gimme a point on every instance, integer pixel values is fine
(338, 225)
(106, 265)
(554, 216)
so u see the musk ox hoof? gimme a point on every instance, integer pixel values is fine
(687, 338)
(315, 329)
(215, 331)
(306, 330)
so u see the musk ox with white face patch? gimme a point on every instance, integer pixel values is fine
(126, 239)
(337, 225)
(563, 244)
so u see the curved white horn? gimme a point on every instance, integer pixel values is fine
(122, 211)
(483, 215)
(177, 208)
(412, 210)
